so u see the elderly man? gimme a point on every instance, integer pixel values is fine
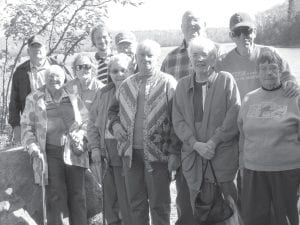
(28, 77)
(177, 63)
(101, 39)
(141, 121)
(205, 109)
(242, 60)
(126, 43)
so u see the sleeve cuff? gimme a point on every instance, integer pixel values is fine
(192, 141)
(216, 139)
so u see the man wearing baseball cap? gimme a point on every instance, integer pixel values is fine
(27, 77)
(126, 43)
(241, 61)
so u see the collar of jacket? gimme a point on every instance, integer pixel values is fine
(191, 78)
(108, 87)
(26, 64)
(183, 47)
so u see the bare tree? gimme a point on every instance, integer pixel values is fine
(67, 23)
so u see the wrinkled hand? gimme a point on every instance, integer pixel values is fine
(204, 150)
(290, 89)
(119, 133)
(211, 145)
(96, 155)
(173, 162)
(17, 135)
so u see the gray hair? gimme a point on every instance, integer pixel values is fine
(200, 42)
(149, 44)
(82, 56)
(55, 69)
(120, 57)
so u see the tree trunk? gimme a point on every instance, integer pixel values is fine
(291, 9)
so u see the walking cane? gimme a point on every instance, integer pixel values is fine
(102, 174)
(98, 171)
(43, 192)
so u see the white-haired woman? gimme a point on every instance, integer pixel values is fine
(104, 145)
(205, 110)
(53, 127)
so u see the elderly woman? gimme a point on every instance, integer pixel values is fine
(141, 121)
(269, 125)
(205, 110)
(104, 144)
(85, 82)
(52, 129)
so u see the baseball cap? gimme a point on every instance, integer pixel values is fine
(36, 39)
(241, 20)
(126, 36)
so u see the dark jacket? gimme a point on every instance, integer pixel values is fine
(20, 88)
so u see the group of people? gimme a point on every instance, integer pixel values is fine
(140, 123)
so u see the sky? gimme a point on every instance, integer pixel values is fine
(166, 14)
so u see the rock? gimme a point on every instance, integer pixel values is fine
(20, 198)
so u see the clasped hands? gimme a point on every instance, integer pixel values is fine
(205, 150)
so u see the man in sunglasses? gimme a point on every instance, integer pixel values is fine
(241, 61)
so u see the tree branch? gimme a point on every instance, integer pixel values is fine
(67, 27)
(53, 17)
(66, 54)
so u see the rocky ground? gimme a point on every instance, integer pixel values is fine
(20, 200)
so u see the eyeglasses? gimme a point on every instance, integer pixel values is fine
(115, 71)
(84, 66)
(242, 30)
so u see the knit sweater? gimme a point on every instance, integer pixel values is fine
(270, 131)
(159, 91)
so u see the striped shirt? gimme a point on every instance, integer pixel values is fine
(177, 62)
(102, 70)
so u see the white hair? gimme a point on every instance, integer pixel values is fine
(202, 42)
(55, 69)
(121, 57)
(149, 44)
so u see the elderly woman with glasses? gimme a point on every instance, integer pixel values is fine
(85, 82)
(269, 124)
(53, 125)
(104, 144)
(205, 109)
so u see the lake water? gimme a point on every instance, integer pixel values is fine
(292, 55)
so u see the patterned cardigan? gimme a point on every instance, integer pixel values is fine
(34, 129)
(159, 136)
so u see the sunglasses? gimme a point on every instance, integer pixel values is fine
(115, 71)
(84, 66)
(242, 30)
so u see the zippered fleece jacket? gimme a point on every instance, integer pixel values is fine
(159, 139)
